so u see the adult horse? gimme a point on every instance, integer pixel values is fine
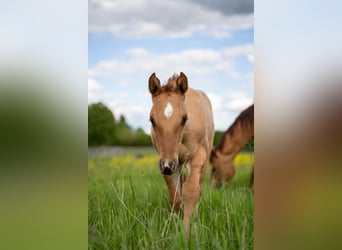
(233, 140)
(182, 133)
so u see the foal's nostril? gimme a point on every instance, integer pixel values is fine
(167, 171)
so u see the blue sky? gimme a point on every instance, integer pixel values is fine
(210, 41)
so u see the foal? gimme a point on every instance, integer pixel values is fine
(233, 140)
(182, 133)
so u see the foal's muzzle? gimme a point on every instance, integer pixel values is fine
(168, 168)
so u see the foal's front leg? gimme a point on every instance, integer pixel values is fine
(192, 187)
(174, 185)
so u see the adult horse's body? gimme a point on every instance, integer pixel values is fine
(233, 140)
(182, 133)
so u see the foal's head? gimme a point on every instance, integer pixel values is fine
(168, 118)
(222, 167)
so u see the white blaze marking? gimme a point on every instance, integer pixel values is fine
(168, 110)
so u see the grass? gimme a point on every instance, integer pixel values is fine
(128, 208)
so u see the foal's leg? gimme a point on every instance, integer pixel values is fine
(174, 185)
(251, 183)
(192, 187)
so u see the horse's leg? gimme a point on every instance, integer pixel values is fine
(174, 185)
(192, 187)
(251, 183)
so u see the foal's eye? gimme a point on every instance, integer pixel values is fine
(152, 121)
(184, 119)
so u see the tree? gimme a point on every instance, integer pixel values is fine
(101, 125)
(141, 138)
(122, 120)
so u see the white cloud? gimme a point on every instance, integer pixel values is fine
(208, 68)
(239, 50)
(238, 101)
(140, 61)
(250, 82)
(216, 101)
(196, 62)
(201, 65)
(154, 18)
(250, 58)
(227, 107)
(246, 50)
(93, 90)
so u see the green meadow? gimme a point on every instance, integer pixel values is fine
(128, 207)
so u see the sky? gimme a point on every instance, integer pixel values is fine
(211, 42)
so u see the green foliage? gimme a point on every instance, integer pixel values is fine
(217, 136)
(124, 133)
(128, 208)
(104, 130)
(101, 125)
(141, 139)
(250, 145)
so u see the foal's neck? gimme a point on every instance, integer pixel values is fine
(236, 139)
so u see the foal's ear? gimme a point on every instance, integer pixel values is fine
(182, 83)
(153, 84)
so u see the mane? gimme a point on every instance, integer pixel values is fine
(245, 119)
(170, 85)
